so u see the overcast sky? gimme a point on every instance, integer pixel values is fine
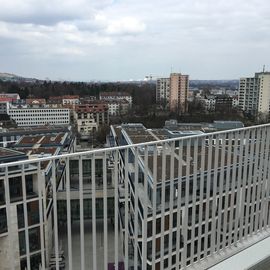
(129, 39)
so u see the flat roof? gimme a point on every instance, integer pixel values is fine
(47, 139)
(139, 135)
(53, 139)
(30, 139)
(184, 162)
(5, 152)
(41, 152)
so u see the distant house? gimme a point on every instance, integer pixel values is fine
(116, 96)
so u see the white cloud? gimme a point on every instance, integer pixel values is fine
(158, 33)
(126, 25)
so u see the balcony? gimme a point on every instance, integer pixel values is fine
(88, 220)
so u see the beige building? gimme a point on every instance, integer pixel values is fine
(254, 93)
(178, 92)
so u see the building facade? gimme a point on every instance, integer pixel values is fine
(163, 91)
(182, 200)
(27, 117)
(89, 117)
(179, 85)
(223, 103)
(185, 234)
(118, 107)
(115, 96)
(254, 93)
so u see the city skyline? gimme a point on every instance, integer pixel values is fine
(123, 40)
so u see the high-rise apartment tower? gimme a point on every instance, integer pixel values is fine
(254, 93)
(178, 92)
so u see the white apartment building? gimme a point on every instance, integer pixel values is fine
(70, 100)
(118, 107)
(25, 117)
(163, 90)
(254, 93)
(209, 103)
(116, 96)
(235, 101)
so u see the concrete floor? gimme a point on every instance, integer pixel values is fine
(88, 245)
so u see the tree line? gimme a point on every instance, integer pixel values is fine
(143, 94)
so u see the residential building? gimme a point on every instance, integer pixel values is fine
(117, 107)
(254, 93)
(10, 136)
(59, 101)
(87, 99)
(223, 103)
(70, 100)
(9, 96)
(35, 102)
(26, 230)
(235, 101)
(174, 126)
(179, 85)
(116, 96)
(24, 223)
(181, 200)
(55, 102)
(163, 91)
(209, 103)
(5, 100)
(27, 117)
(4, 106)
(89, 117)
(199, 209)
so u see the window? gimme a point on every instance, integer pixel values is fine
(3, 221)
(34, 239)
(20, 216)
(33, 213)
(29, 185)
(35, 261)
(2, 193)
(22, 243)
(15, 188)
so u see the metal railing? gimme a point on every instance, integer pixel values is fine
(169, 204)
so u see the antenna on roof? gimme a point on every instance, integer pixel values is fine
(263, 68)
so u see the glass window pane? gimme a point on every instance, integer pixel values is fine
(34, 239)
(2, 193)
(15, 188)
(3, 221)
(29, 185)
(20, 216)
(22, 243)
(23, 264)
(33, 213)
(35, 261)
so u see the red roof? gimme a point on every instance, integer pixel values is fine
(6, 99)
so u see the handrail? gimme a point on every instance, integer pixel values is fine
(123, 147)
